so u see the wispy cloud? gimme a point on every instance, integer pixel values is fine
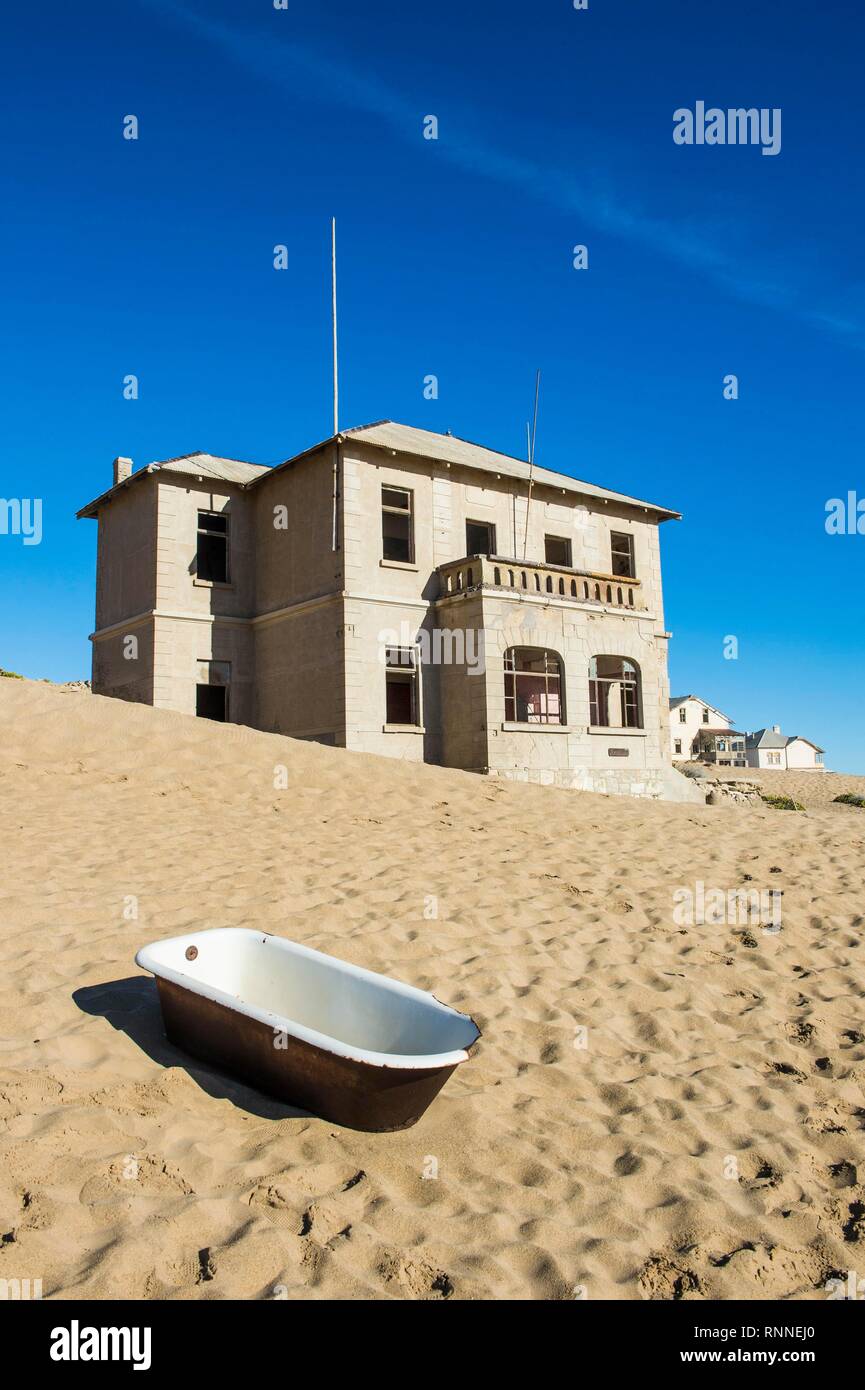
(696, 247)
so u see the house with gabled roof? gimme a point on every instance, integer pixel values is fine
(769, 748)
(396, 591)
(690, 717)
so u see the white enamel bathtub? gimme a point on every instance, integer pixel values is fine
(332, 1038)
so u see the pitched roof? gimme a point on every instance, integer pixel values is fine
(197, 465)
(766, 738)
(802, 739)
(677, 700)
(395, 438)
(448, 448)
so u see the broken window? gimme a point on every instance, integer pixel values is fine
(614, 693)
(534, 686)
(557, 551)
(397, 526)
(622, 547)
(705, 716)
(480, 538)
(211, 690)
(678, 745)
(402, 691)
(212, 555)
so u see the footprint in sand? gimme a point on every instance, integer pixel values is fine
(416, 1278)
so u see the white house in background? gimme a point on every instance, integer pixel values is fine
(770, 748)
(689, 716)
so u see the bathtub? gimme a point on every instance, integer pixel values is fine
(356, 1048)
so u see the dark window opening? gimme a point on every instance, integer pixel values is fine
(705, 716)
(678, 745)
(402, 697)
(480, 538)
(614, 693)
(397, 530)
(557, 551)
(212, 555)
(683, 715)
(211, 702)
(622, 546)
(534, 687)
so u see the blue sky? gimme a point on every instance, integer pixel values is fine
(155, 257)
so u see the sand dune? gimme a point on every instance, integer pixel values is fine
(705, 1143)
(808, 788)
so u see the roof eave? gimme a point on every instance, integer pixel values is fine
(91, 510)
(663, 513)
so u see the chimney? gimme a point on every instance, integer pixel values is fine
(122, 470)
(776, 728)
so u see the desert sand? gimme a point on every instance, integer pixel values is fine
(655, 1111)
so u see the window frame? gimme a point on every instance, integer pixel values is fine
(631, 707)
(408, 513)
(218, 678)
(408, 673)
(553, 679)
(560, 540)
(224, 536)
(628, 552)
(490, 528)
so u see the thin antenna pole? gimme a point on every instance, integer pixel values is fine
(535, 425)
(531, 436)
(335, 540)
(335, 354)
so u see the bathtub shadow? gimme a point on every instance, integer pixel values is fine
(132, 1007)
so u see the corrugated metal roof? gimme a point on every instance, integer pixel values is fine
(198, 465)
(406, 439)
(211, 466)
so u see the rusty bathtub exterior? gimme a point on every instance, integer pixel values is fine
(339, 1078)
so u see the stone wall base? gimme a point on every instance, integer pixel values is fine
(657, 784)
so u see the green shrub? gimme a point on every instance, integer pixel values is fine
(782, 803)
(11, 675)
(851, 799)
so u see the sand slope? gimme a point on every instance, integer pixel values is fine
(706, 1143)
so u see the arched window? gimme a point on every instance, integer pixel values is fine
(534, 686)
(615, 697)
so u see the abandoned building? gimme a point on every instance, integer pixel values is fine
(399, 592)
(702, 732)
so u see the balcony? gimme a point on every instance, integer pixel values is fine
(524, 579)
